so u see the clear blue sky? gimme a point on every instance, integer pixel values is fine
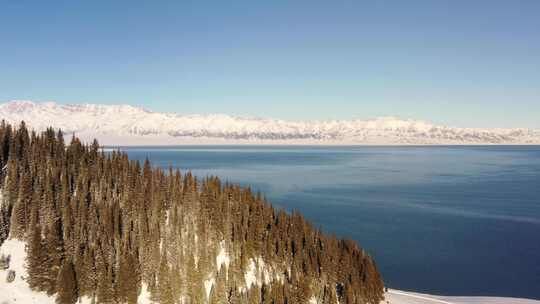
(462, 63)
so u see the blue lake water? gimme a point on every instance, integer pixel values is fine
(444, 220)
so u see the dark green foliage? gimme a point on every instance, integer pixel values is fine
(102, 226)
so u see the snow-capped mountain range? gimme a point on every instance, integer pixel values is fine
(127, 125)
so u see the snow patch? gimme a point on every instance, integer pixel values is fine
(251, 274)
(18, 291)
(222, 257)
(208, 286)
(258, 272)
(144, 296)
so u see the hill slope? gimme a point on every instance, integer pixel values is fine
(19, 292)
(101, 226)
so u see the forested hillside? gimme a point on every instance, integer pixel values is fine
(101, 226)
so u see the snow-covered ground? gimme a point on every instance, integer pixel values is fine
(18, 292)
(405, 297)
(128, 125)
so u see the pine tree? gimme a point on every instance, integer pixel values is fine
(20, 212)
(128, 278)
(54, 257)
(36, 260)
(11, 189)
(213, 298)
(196, 291)
(221, 285)
(67, 291)
(254, 295)
(164, 282)
(105, 291)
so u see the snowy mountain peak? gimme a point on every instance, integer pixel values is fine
(125, 124)
(27, 105)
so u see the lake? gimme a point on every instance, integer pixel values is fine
(452, 220)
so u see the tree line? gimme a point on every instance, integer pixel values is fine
(102, 226)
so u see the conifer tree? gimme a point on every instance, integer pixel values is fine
(128, 278)
(164, 282)
(105, 291)
(213, 298)
(67, 292)
(254, 295)
(54, 257)
(219, 289)
(36, 260)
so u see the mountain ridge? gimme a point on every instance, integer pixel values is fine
(126, 124)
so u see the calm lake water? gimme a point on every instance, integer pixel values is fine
(444, 220)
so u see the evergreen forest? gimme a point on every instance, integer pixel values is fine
(99, 225)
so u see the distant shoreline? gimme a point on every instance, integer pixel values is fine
(165, 140)
(109, 146)
(128, 125)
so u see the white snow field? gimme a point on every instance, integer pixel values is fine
(128, 125)
(405, 297)
(18, 292)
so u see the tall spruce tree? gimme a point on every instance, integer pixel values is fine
(67, 292)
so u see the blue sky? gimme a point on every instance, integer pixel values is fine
(462, 63)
